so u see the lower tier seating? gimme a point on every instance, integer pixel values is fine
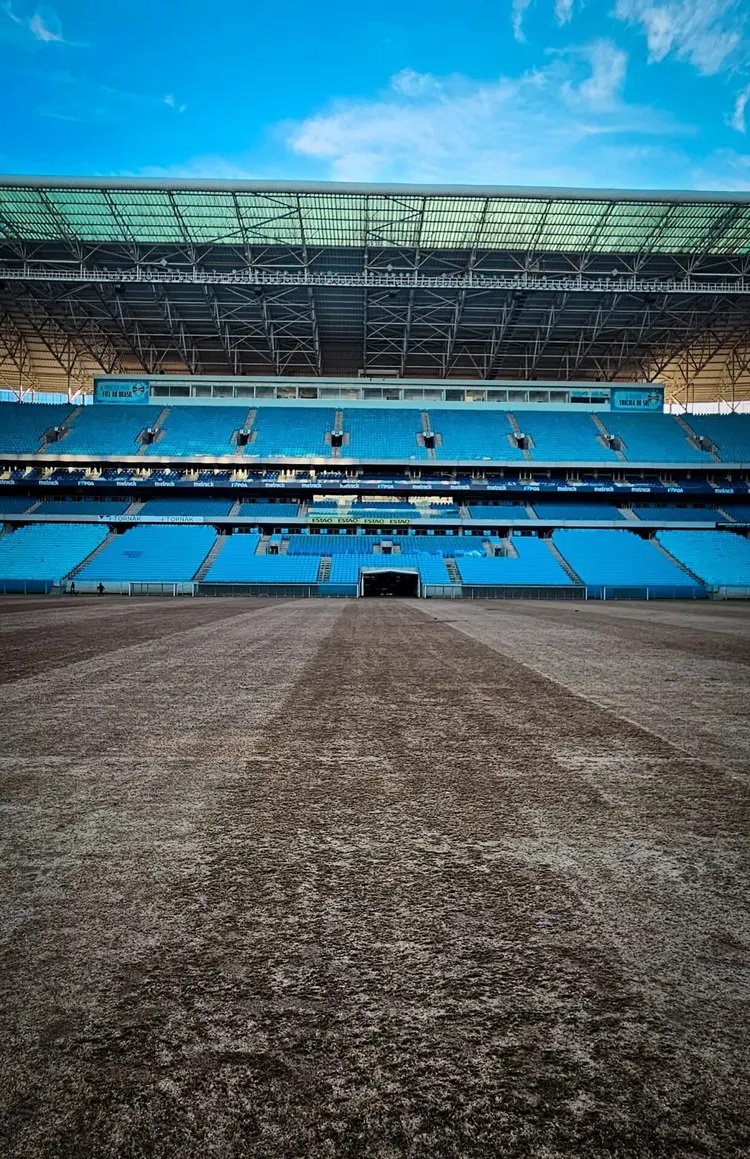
(345, 569)
(47, 551)
(719, 558)
(535, 565)
(152, 553)
(237, 563)
(619, 559)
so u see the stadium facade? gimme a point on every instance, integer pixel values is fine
(350, 391)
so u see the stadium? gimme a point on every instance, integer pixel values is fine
(373, 579)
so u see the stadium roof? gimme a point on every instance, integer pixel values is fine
(286, 278)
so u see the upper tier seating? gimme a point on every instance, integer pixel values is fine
(291, 431)
(679, 514)
(729, 433)
(582, 511)
(467, 434)
(299, 430)
(152, 553)
(535, 566)
(252, 510)
(190, 430)
(618, 559)
(237, 563)
(383, 434)
(559, 436)
(199, 506)
(720, 558)
(74, 507)
(23, 424)
(653, 438)
(106, 430)
(47, 551)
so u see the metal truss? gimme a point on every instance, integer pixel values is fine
(243, 309)
(632, 283)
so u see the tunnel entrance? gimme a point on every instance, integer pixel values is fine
(401, 584)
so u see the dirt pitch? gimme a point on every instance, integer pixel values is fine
(374, 879)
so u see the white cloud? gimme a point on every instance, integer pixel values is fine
(545, 127)
(413, 84)
(171, 103)
(737, 120)
(42, 25)
(704, 33)
(519, 11)
(563, 11)
(601, 90)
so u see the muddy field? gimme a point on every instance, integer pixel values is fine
(374, 879)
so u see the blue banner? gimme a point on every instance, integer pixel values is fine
(647, 398)
(124, 390)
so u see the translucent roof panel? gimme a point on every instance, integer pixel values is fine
(357, 217)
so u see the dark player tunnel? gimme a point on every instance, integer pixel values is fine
(403, 584)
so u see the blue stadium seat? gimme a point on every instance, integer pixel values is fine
(205, 430)
(73, 507)
(11, 504)
(660, 514)
(561, 436)
(619, 559)
(199, 506)
(152, 553)
(478, 435)
(494, 511)
(535, 566)
(237, 563)
(719, 558)
(291, 431)
(653, 438)
(383, 434)
(23, 424)
(107, 430)
(47, 551)
(729, 433)
(276, 511)
(582, 511)
(345, 569)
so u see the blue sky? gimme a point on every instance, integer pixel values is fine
(608, 93)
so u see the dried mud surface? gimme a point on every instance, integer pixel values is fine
(374, 879)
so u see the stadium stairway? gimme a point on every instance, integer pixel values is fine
(135, 507)
(452, 568)
(324, 569)
(516, 430)
(71, 575)
(677, 563)
(604, 435)
(262, 548)
(694, 439)
(156, 426)
(574, 576)
(235, 508)
(69, 418)
(213, 553)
